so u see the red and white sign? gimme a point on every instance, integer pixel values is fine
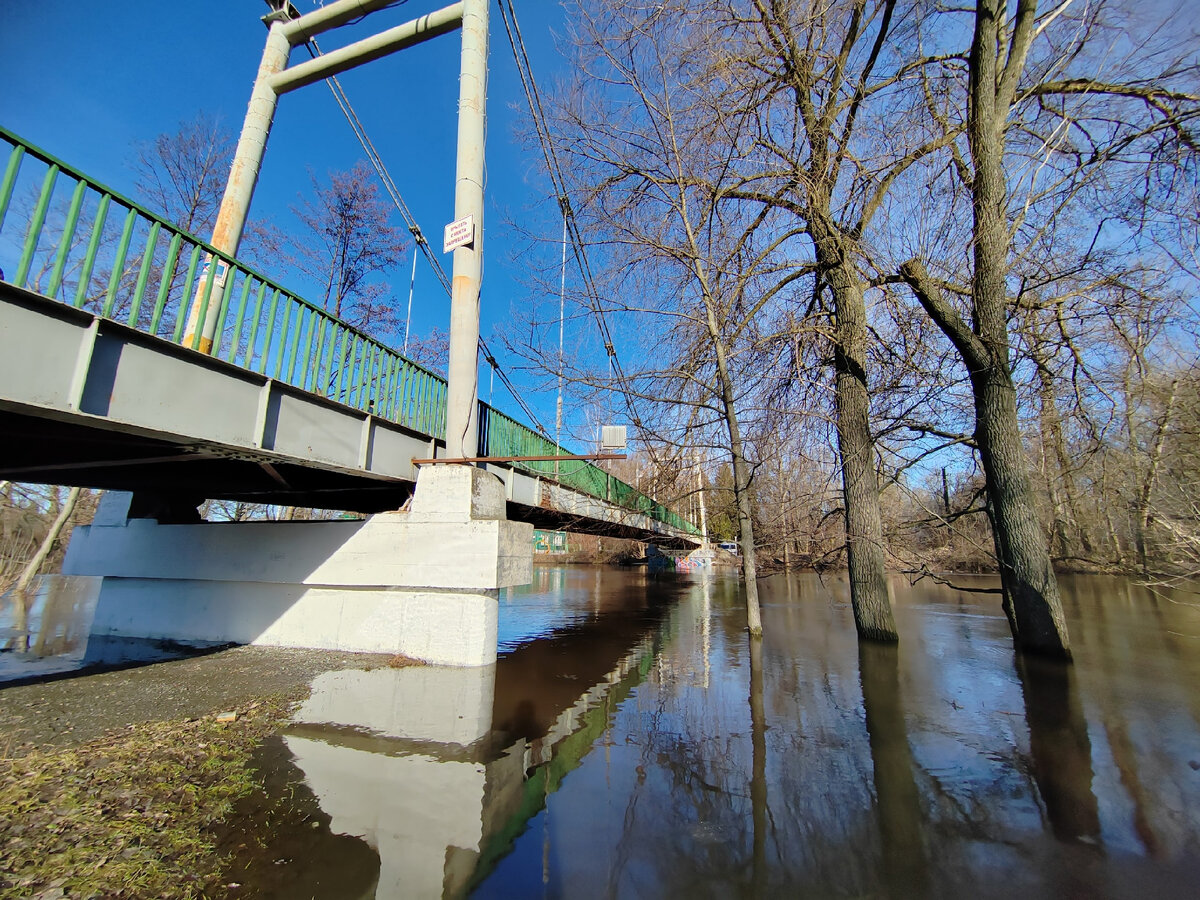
(459, 234)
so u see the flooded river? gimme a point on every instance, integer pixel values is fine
(632, 742)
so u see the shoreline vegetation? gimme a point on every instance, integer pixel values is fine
(156, 780)
(141, 812)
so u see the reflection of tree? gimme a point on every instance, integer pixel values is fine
(1124, 755)
(758, 778)
(1138, 629)
(897, 800)
(1060, 747)
(689, 802)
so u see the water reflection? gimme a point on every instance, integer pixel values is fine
(48, 635)
(51, 618)
(439, 770)
(758, 778)
(642, 745)
(897, 800)
(1060, 748)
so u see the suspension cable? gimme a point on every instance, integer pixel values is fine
(414, 228)
(541, 126)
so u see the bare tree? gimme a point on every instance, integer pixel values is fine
(653, 156)
(821, 70)
(347, 243)
(182, 175)
(431, 350)
(1031, 598)
(1023, 100)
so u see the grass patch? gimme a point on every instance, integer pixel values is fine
(133, 814)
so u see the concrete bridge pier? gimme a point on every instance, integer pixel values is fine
(422, 582)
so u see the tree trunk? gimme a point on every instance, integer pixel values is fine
(741, 495)
(741, 472)
(1059, 477)
(787, 534)
(1029, 582)
(1031, 598)
(1114, 537)
(1051, 440)
(1030, 587)
(43, 551)
(1143, 514)
(860, 484)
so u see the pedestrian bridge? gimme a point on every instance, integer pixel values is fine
(99, 387)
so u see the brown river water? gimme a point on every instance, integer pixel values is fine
(632, 742)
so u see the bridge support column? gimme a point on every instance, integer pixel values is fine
(423, 583)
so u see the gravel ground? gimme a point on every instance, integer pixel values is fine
(69, 711)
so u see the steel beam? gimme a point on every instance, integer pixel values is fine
(323, 19)
(409, 34)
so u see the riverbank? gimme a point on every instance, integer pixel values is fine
(145, 782)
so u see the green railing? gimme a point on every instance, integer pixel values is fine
(500, 435)
(83, 244)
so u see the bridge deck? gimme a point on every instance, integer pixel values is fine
(292, 407)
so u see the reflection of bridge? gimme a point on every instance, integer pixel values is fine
(440, 770)
(100, 387)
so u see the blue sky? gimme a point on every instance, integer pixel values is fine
(87, 80)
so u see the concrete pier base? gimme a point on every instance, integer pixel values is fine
(423, 583)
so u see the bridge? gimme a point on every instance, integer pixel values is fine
(143, 360)
(98, 387)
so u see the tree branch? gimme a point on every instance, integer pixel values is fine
(945, 316)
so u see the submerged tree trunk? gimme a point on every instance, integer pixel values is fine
(860, 484)
(1031, 598)
(824, 56)
(1030, 586)
(741, 476)
(1031, 595)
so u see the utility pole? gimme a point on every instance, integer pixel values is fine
(562, 294)
(462, 392)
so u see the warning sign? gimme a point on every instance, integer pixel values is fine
(459, 234)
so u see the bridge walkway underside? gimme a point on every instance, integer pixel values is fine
(91, 402)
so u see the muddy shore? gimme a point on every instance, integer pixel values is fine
(69, 711)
